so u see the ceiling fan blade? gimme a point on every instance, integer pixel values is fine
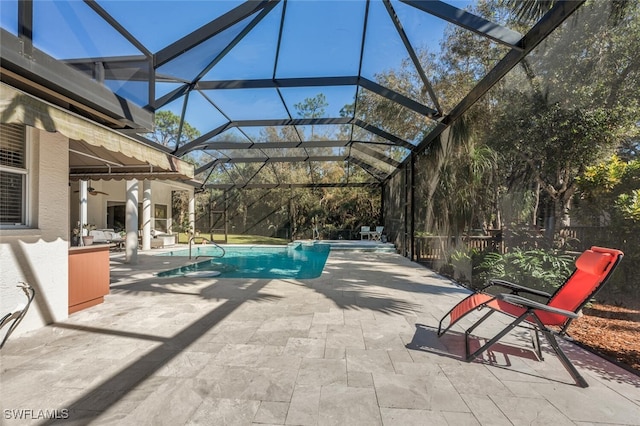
(92, 191)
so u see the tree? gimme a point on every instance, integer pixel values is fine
(608, 193)
(580, 107)
(167, 133)
(312, 108)
(610, 189)
(271, 211)
(167, 130)
(553, 144)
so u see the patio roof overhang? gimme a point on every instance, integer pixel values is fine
(48, 78)
(95, 152)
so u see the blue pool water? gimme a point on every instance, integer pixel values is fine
(299, 261)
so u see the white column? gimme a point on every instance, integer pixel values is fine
(83, 194)
(146, 214)
(192, 210)
(131, 213)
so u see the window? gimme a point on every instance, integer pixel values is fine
(160, 216)
(13, 175)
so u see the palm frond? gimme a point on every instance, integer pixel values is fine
(529, 10)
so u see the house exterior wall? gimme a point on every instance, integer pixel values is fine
(39, 255)
(97, 204)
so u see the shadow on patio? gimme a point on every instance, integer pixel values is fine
(356, 345)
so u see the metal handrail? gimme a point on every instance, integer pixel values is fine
(206, 255)
(190, 241)
(215, 257)
(15, 317)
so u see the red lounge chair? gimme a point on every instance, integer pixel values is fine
(593, 268)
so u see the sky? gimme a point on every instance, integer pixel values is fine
(319, 39)
(316, 33)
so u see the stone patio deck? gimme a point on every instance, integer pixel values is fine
(357, 346)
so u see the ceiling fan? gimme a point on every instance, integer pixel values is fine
(92, 191)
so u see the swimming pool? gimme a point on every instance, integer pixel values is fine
(297, 260)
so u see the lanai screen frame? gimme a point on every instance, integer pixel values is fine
(124, 116)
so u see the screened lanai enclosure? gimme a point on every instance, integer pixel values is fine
(496, 136)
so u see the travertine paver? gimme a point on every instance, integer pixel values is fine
(356, 346)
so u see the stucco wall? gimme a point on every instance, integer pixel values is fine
(39, 255)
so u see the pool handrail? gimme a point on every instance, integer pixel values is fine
(214, 243)
(190, 241)
(210, 255)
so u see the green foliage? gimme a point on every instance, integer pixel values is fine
(464, 262)
(629, 205)
(612, 187)
(540, 269)
(529, 10)
(168, 132)
(609, 194)
(312, 107)
(291, 212)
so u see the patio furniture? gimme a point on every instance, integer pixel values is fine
(593, 268)
(377, 234)
(163, 240)
(160, 239)
(99, 236)
(115, 239)
(107, 236)
(365, 231)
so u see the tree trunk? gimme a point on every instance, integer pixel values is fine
(536, 205)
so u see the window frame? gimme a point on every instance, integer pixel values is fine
(25, 173)
(160, 210)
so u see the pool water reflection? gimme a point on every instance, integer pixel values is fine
(297, 260)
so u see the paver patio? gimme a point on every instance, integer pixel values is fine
(357, 346)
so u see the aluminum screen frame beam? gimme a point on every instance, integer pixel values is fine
(209, 30)
(229, 186)
(290, 159)
(267, 83)
(284, 144)
(293, 158)
(322, 82)
(204, 139)
(377, 155)
(412, 55)
(471, 22)
(377, 174)
(399, 98)
(384, 135)
(124, 68)
(274, 145)
(42, 70)
(134, 41)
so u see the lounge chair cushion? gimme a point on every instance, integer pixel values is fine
(592, 262)
(99, 236)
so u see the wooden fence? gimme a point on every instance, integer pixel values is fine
(433, 249)
(438, 248)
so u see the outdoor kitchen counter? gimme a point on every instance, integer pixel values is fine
(88, 276)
